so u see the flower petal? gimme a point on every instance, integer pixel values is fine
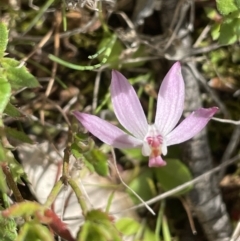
(156, 162)
(190, 126)
(107, 132)
(170, 101)
(146, 150)
(127, 106)
(164, 148)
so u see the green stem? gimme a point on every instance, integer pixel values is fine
(54, 193)
(79, 195)
(159, 221)
(41, 11)
(67, 154)
(5, 200)
(11, 183)
(64, 5)
(110, 199)
(165, 228)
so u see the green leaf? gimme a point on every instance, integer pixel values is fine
(116, 51)
(98, 226)
(165, 229)
(91, 231)
(3, 185)
(172, 175)
(98, 160)
(142, 184)
(20, 209)
(16, 168)
(39, 232)
(139, 53)
(228, 34)
(18, 75)
(17, 135)
(148, 235)
(77, 153)
(3, 38)
(215, 31)
(134, 154)
(9, 62)
(5, 94)
(211, 13)
(36, 232)
(237, 28)
(12, 110)
(97, 215)
(8, 228)
(23, 232)
(127, 226)
(237, 2)
(226, 6)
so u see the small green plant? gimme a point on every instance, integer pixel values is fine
(13, 76)
(105, 52)
(229, 29)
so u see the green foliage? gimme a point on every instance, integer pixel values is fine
(3, 39)
(215, 31)
(99, 161)
(3, 184)
(112, 56)
(135, 154)
(94, 159)
(172, 175)
(8, 228)
(128, 226)
(12, 76)
(98, 226)
(35, 232)
(12, 111)
(21, 209)
(16, 169)
(165, 229)
(39, 14)
(237, 3)
(5, 93)
(104, 51)
(32, 229)
(139, 53)
(143, 185)
(229, 31)
(17, 135)
(18, 75)
(226, 7)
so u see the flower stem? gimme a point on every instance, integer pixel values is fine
(67, 153)
(53, 194)
(79, 195)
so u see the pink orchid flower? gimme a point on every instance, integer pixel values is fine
(153, 139)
